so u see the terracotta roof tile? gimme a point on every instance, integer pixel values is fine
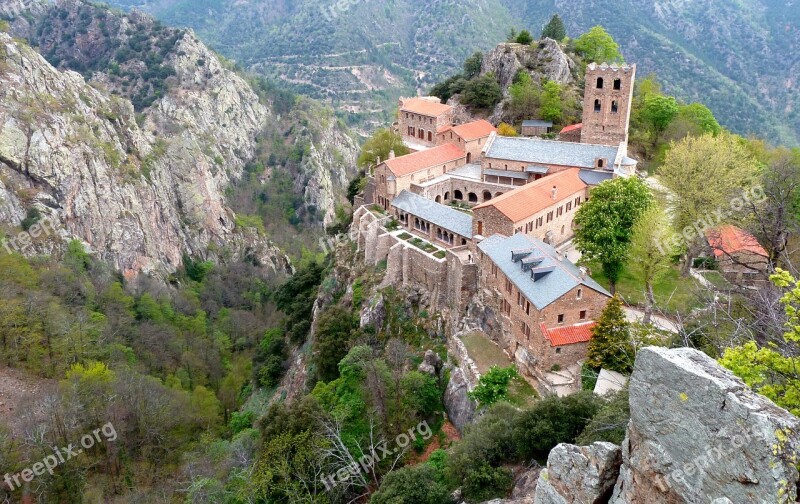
(728, 240)
(422, 160)
(532, 198)
(569, 335)
(424, 107)
(474, 129)
(573, 127)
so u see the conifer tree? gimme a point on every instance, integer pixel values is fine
(555, 29)
(610, 347)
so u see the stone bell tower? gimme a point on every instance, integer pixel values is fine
(607, 103)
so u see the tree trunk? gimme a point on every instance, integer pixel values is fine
(613, 287)
(650, 304)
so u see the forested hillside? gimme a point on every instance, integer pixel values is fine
(733, 56)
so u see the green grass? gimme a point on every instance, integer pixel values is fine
(674, 293)
(440, 255)
(404, 236)
(717, 280)
(486, 354)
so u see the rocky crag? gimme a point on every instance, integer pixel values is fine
(696, 434)
(136, 162)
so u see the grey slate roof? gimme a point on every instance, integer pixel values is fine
(551, 152)
(537, 169)
(564, 276)
(538, 123)
(437, 214)
(595, 177)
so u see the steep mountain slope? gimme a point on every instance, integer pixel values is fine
(736, 57)
(140, 162)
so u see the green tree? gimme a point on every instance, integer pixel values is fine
(379, 146)
(598, 46)
(773, 370)
(555, 29)
(704, 174)
(493, 386)
(420, 484)
(610, 423)
(610, 347)
(651, 252)
(604, 224)
(524, 37)
(659, 111)
(551, 103)
(524, 97)
(331, 344)
(483, 92)
(472, 65)
(701, 117)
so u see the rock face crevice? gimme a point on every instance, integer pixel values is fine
(697, 434)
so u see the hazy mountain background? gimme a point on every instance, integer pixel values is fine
(741, 57)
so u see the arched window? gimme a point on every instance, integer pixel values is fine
(614, 107)
(458, 195)
(597, 106)
(473, 198)
(617, 84)
(580, 293)
(601, 163)
(487, 195)
(599, 83)
(447, 195)
(438, 199)
(430, 136)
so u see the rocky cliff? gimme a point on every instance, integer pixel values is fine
(696, 434)
(136, 162)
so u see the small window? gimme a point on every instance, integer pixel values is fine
(599, 83)
(561, 318)
(597, 106)
(580, 293)
(601, 163)
(583, 314)
(614, 107)
(617, 84)
(558, 350)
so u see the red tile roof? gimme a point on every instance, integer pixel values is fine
(474, 129)
(530, 199)
(728, 240)
(569, 335)
(424, 107)
(422, 160)
(573, 127)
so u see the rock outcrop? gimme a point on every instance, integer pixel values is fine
(579, 474)
(697, 433)
(545, 60)
(459, 407)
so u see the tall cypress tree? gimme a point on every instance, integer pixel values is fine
(555, 29)
(610, 347)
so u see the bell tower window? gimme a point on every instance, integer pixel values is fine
(599, 83)
(614, 107)
(617, 84)
(597, 105)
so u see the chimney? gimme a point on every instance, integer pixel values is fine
(584, 272)
(391, 154)
(554, 192)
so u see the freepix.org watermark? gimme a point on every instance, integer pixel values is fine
(379, 453)
(697, 230)
(338, 8)
(24, 239)
(106, 433)
(699, 465)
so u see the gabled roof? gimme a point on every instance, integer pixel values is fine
(729, 240)
(437, 214)
(532, 198)
(537, 123)
(550, 285)
(569, 335)
(573, 127)
(422, 160)
(427, 106)
(472, 130)
(595, 177)
(550, 152)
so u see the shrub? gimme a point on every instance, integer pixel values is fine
(493, 386)
(412, 485)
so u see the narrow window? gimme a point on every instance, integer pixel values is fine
(599, 83)
(617, 84)
(561, 318)
(580, 293)
(597, 106)
(583, 314)
(614, 107)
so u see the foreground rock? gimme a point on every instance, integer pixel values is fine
(460, 408)
(579, 474)
(699, 434)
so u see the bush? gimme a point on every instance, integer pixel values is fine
(551, 421)
(32, 217)
(419, 484)
(609, 423)
(483, 92)
(493, 386)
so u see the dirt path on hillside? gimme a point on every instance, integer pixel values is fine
(19, 392)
